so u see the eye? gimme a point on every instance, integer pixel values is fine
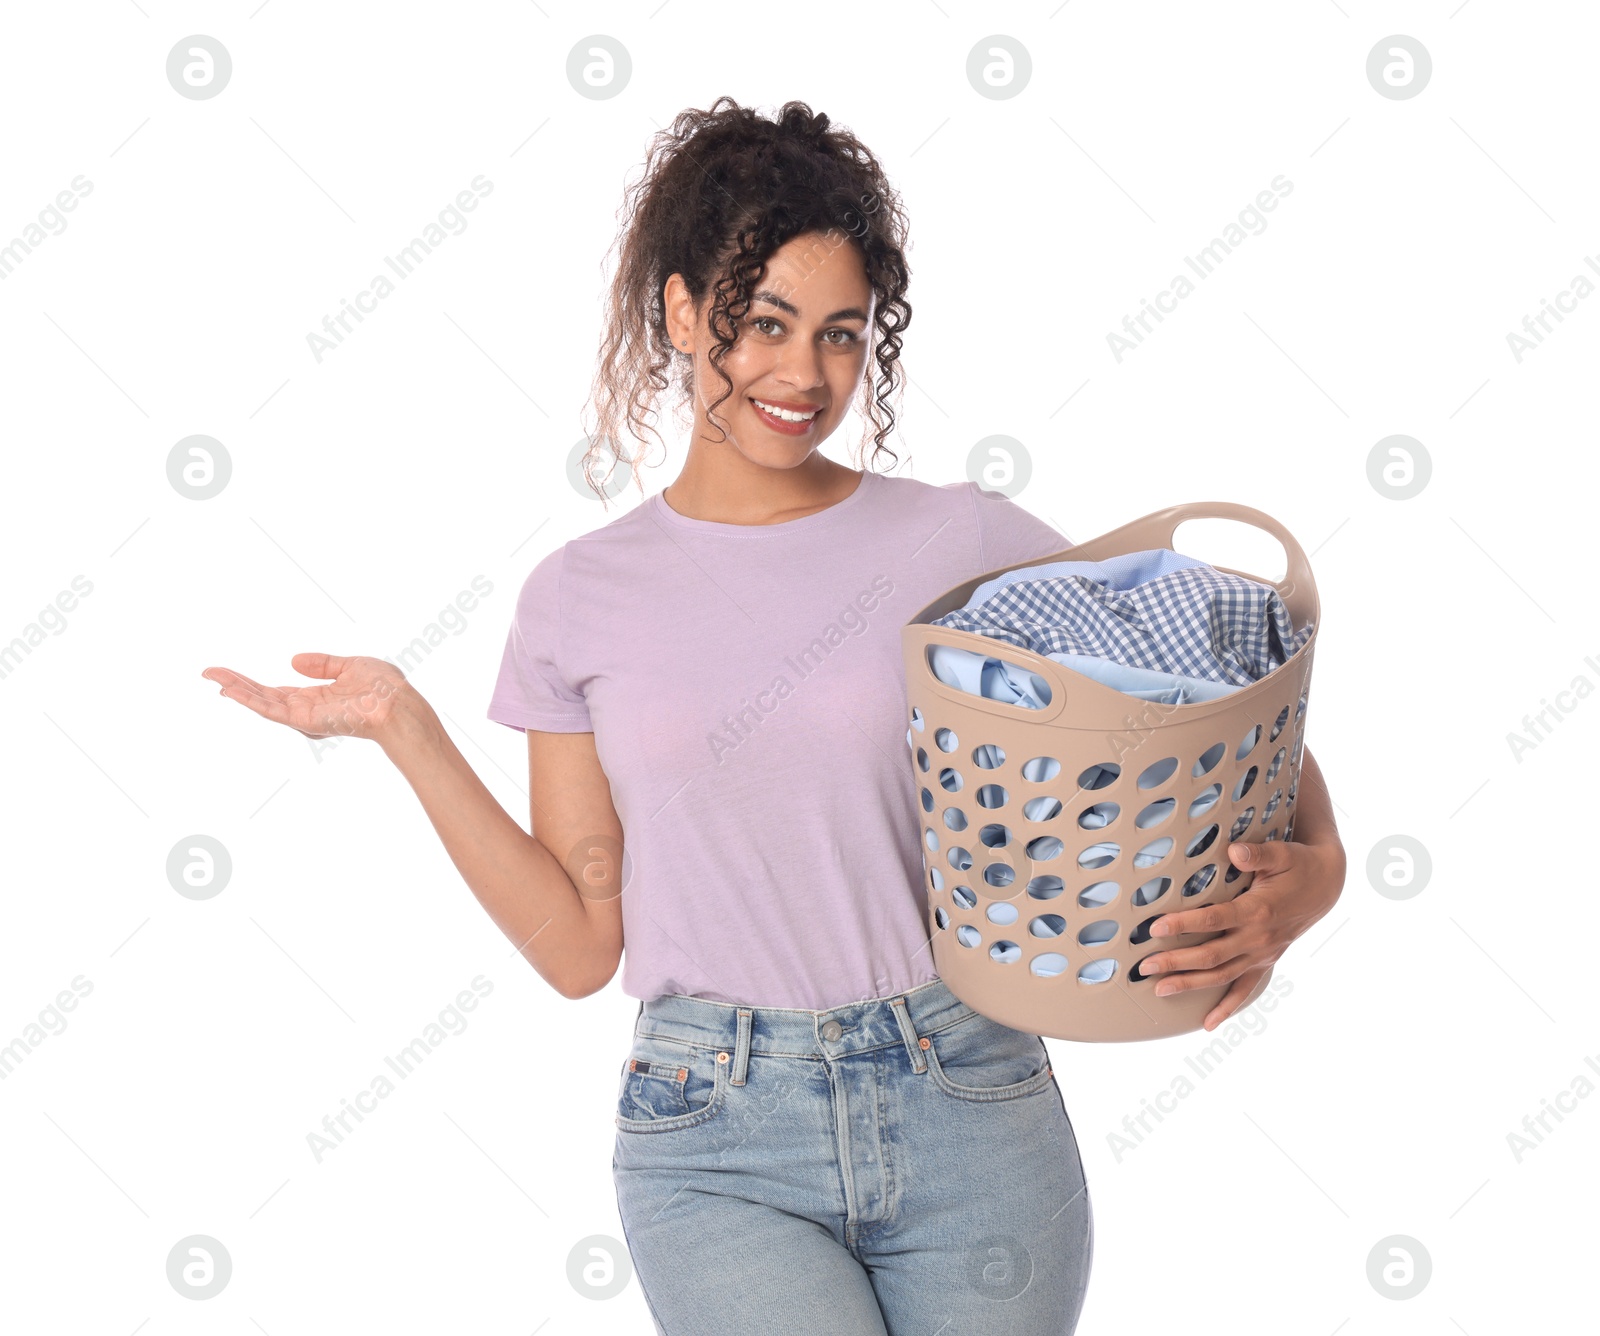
(762, 320)
(850, 336)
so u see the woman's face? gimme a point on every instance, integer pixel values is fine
(802, 347)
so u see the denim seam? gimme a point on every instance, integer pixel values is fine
(711, 1045)
(797, 1011)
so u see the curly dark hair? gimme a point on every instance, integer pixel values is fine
(721, 190)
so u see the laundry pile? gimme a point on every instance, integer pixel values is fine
(1155, 625)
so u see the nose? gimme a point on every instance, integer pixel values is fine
(799, 365)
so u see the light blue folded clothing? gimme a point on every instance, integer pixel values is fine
(1000, 679)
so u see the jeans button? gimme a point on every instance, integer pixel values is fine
(832, 1030)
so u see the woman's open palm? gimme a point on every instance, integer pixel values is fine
(356, 703)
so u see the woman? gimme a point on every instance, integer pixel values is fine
(813, 1133)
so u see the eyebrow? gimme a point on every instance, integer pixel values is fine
(772, 299)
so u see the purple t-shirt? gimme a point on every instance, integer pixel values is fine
(745, 688)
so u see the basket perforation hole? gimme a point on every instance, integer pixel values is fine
(1156, 813)
(1099, 816)
(1200, 880)
(1247, 742)
(922, 759)
(1002, 912)
(1097, 933)
(1245, 781)
(1241, 823)
(1277, 727)
(1277, 761)
(1153, 852)
(955, 818)
(1201, 841)
(1045, 847)
(963, 896)
(917, 721)
(1046, 887)
(1101, 776)
(1047, 925)
(1210, 759)
(988, 756)
(967, 935)
(959, 858)
(1098, 971)
(1156, 775)
(992, 795)
(999, 874)
(1098, 895)
(1099, 855)
(1006, 953)
(1152, 890)
(1041, 769)
(945, 739)
(1042, 809)
(994, 836)
(1205, 800)
(1048, 964)
(950, 779)
(1141, 934)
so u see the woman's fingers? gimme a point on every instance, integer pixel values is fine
(269, 702)
(357, 702)
(264, 701)
(318, 665)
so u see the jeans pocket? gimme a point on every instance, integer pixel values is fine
(979, 1059)
(668, 1084)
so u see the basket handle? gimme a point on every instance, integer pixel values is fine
(1158, 529)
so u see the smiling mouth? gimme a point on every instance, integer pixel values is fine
(784, 414)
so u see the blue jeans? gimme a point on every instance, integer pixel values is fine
(901, 1166)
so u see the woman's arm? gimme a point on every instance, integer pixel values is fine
(555, 893)
(1296, 882)
(570, 933)
(1314, 823)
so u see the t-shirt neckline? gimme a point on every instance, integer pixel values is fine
(815, 519)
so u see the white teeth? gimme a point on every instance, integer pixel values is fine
(783, 413)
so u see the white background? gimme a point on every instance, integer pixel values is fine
(369, 489)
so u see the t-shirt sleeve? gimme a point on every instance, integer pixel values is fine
(1008, 535)
(531, 691)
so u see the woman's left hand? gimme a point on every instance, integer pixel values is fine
(1294, 886)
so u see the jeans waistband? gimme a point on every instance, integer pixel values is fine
(855, 1027)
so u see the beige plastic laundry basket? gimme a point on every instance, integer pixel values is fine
(1024, 930)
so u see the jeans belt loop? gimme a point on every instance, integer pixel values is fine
(741, 1049)
(902, 1014)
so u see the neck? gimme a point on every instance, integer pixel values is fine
(747, 493)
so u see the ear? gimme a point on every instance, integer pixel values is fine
(678, 308)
